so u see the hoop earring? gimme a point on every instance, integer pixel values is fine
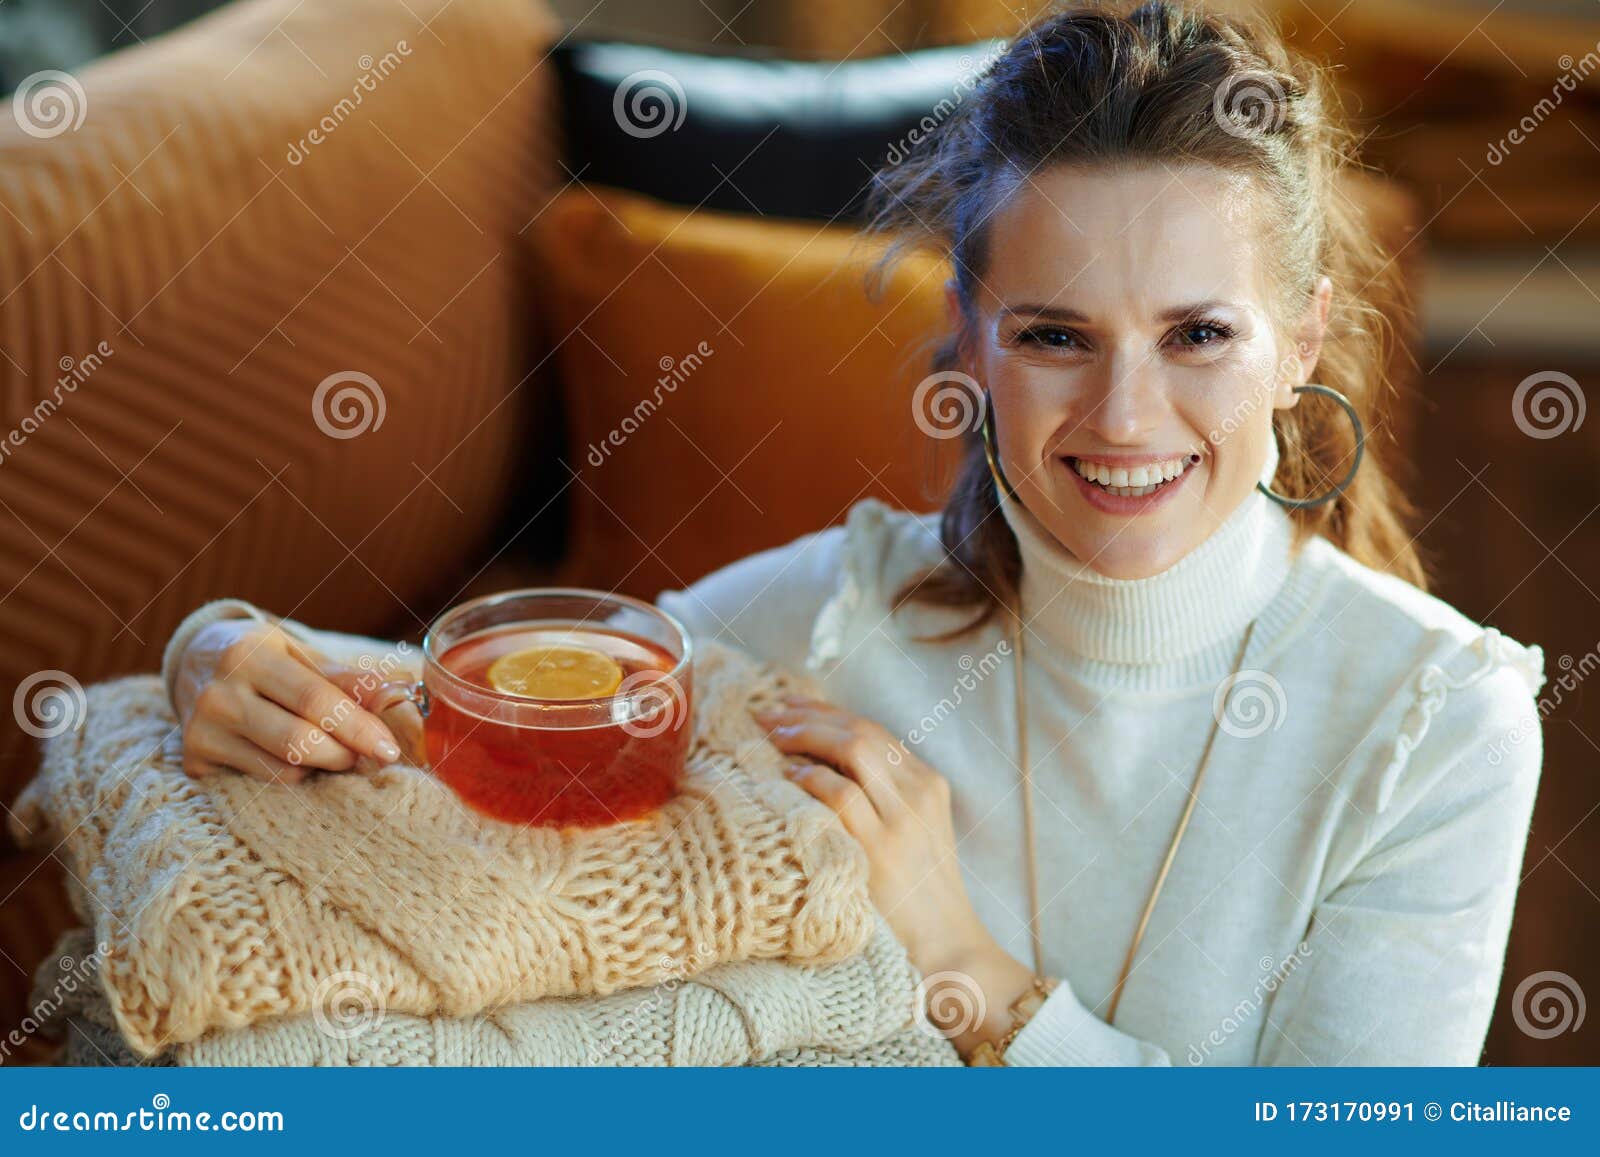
(1361, 448)
(991, 453)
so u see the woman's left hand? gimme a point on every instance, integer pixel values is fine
(899, 809)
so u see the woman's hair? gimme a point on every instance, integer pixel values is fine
(1098, 84)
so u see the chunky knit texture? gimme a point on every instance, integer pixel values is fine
(861, 1011)
(224, 901)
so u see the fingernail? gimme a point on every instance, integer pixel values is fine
(388, 752)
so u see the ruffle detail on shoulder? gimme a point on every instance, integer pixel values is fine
(864, 530)
(1432, 685)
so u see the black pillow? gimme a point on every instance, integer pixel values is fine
(781, 137)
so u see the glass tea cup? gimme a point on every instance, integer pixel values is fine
(556, 762)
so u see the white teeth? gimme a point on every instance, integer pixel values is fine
(1135, 483)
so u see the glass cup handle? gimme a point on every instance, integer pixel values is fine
(395, 692)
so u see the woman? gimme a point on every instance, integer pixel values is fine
(1158, 750)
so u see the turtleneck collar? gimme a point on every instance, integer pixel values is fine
(1184, 620)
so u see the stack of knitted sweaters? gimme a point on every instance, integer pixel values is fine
(373, 920)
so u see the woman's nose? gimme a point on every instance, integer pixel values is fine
(1126, 402)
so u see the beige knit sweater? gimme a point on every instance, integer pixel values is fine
(225, 901)
(861, 1011)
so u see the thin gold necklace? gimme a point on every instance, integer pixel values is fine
(1019, 683)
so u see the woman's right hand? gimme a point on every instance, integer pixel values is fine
(251, 698)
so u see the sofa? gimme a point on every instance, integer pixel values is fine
(355, 309)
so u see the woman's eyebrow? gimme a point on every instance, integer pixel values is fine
(1184, 312)
(1052, 312)
(1060, 313)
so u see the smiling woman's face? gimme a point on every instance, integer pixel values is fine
(1125, 332)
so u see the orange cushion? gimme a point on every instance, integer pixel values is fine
(729, 382)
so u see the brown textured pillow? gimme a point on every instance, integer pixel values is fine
(730, 384)
(193, 285)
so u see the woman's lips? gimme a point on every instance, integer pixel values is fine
(1102, 499)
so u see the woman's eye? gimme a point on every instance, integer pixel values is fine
(1203, 334)
(1049, 336)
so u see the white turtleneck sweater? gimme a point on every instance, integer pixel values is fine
(1345, 888)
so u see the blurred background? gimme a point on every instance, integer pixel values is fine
(357, 307)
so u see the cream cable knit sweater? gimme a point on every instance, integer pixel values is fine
(225, 901)
(856, 1012)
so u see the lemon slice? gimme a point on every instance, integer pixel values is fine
(556, 673)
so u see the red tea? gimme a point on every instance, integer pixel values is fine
(520, 758)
